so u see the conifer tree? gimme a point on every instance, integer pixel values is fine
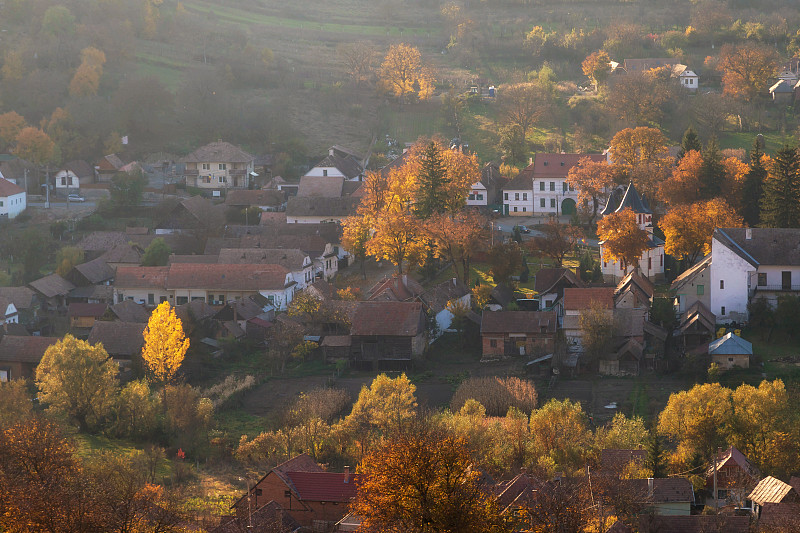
(689, 142)
(780, 203)
(432, 182)
(753, 187)
(712, 173)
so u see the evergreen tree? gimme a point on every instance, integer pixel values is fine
(753, 187)
(712, 173)
(432, 196)
(656, 460)
(689, 142)
(780, 203)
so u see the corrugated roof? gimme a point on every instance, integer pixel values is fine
(730, 344)
(770, 490)
(519, 322)
(289, 258)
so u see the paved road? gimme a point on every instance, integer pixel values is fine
(506, 225)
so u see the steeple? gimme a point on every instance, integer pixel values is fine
(633, 201)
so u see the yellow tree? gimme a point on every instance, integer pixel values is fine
(86, 80)
(397, 237)
(404, 75)
(733, 184)
(622, 237)
(643, 155)
(35, 146)
(683, 185)
(688, 228)
(165, 344)
(457, 238)
(79, 380)
(597, 67)
(559, 431)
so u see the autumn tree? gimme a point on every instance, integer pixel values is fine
(422, 479)
(688, 228)
(355, 234)
(638, 99)
(404, 75)
(712, 172)
(780, 204)
(597, 66)
(358, 58)
(753, 186)
(523, 105)
(15, 402)
(397, 238)
(622, 237)
(66, 258)
(35, 146)
(79, 380)
(642, 154)
(86, 80)
(592, 180)
(127, 188)
(683, 185)
(559, 432)
(457, 238)
(11, 124)
(165, 344)
(556, 241)
(746, 69)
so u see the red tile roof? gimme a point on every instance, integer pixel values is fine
(24, 349)
(577, 299)
(396, 319)
(226, 277)
(324, 486)
(558, 165)
(9, 189)
(141, 277)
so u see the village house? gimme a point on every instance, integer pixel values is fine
(551, 192)
(730, 350)
(108, 167)
(69, 178)
(320, 209)
(442, 299)
(696, 327)
(518, 194)
(219, 165)
(266, 200)
(53, 291)
(772, 490)
(83, 316)
(515, 333)
(487, 191)
(8, 312)
(693, 285)
(651, 262)
(25, 302)
(20, 355)
(123, 341)
(387, 335)
(736, 477)
(549, 285)
(313, 497)
(751, 263)
(340, 162)
(575, 301)
(297, 262)
(13, 199)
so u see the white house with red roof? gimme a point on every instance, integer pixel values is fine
(551, 192)
(13, 199)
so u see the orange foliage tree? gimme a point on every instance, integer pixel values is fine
(422, 479)
(457, 238)
(556, 241)
(35, 146)
(746, 68)
(688, 228)
(165, 344)
(683, 185)
(592, 180)
(597, 67)
(622, 237)
(643, 155)
(11, 124)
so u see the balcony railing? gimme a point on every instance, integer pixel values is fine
(774, 288)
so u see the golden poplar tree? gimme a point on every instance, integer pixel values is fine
(165, 344)
(623, 238)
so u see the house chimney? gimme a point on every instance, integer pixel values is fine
(347, 474)
(748, 234)
(649, 487)
(455, 282)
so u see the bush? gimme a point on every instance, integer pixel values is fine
(324, 404)
(220, 393)
(496, 394)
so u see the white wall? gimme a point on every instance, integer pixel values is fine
(478, 190)
(66, 179)
(325, 171)
(734, 271)
(522, 201)
(651, 264)
(557, 195)
(11, 206)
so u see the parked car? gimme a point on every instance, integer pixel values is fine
(523, 229)
(76, 198)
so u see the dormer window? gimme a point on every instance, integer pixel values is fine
(545, 163)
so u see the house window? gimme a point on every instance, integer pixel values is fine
(524, 209)
(552, 185)
(564, 186)
(223, 166)
(762, 279)
(525, 196)
(649, 263)
(730, 359)
(480, 197)
(151, 299)
(505, 196)
(4, 375)
(553, 203)
(722, 284)
(324, 171)
(1, 203)
(722, 310)
(206, 166)
(515, 209)
(541, 202)
(661, 260)
(516, 196)
(471, 197)
(701, 290)
(571, 188)
(493, 343)
(541, 185)
(121, 297)
(64, 180)
(180, 300)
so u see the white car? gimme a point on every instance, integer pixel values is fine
(76, 198)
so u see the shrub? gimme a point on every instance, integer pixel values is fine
(223, 391)
(325, 404)
(496, 394)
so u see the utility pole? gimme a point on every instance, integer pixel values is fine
(716, 499)
(47, 187)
